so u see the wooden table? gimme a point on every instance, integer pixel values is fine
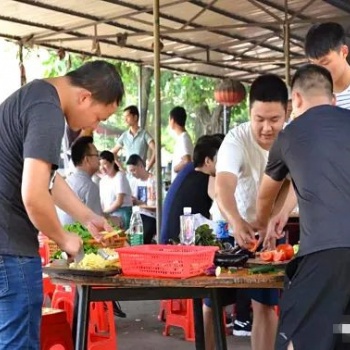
(132, 288)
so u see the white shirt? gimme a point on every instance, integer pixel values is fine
(135, 184)
(110, 187)
(241, 155)
(343, 98)
(183, 147)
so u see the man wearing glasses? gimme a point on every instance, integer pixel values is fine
(85, 158)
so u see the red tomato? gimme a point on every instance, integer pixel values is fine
(287, 249)
(267, 256)
(253, 246)
(279, 256)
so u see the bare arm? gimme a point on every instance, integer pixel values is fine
(225, 188)
(115, 205)
(115, 150)
(152, 160)
(184, 160)
(267, 195)
(40, 207)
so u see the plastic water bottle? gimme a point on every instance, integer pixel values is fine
(187, 232)
(136, 227)
(151, 191)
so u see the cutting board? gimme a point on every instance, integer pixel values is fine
(66, 271)
(258, 261)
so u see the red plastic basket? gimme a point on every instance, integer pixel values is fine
(165, 260)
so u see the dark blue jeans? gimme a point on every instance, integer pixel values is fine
(21, 297)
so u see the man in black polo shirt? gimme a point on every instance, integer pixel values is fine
(190, 188)
(315, 150)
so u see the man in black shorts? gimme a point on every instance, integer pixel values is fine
(314, 150)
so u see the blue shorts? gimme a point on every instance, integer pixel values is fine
(265, 296)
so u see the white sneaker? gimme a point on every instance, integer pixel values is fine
(242, 329)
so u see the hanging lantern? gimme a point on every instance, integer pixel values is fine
(229, 92)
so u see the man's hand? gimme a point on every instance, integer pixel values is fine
(275, 230)
(72, 244)
(95, 224)
(244, 233)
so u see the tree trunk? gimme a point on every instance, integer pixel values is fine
(147, 74)
(208, 123)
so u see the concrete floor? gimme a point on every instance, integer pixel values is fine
(142, 330)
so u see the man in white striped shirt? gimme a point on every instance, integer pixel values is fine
(325, 45)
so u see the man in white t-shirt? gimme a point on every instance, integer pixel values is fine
(325, 45)
(183, 150)
(240, 166)
(138, 183)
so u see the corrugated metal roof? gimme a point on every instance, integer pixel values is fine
(220, 38)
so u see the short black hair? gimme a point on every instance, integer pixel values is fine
(268, 88)
(312, 79)
(101, 79)
(80, 149)
(135, 159)
(133, 110)
(206, 146)
(323, 38)
(109, 157)
(179, 115)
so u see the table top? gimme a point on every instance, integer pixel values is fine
(239, 279)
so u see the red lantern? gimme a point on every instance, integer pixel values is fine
(229, 92)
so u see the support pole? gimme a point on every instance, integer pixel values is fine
(225, 119)
(140, 96)
(157, 113)
(286, 46)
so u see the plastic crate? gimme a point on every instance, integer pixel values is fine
(166, 260)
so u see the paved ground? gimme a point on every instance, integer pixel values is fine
(142, 330)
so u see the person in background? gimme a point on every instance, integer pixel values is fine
(135, 140)
(190, 188)
(325, 45)
(183, 148)
(32, 123)
(115, 190)
(314, 151)
(136, 167)
(86, 160)
(240, 166)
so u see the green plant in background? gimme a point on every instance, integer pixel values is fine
(195, 93)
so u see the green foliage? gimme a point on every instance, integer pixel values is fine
(176, 89)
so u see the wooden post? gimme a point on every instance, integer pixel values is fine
(157, 113)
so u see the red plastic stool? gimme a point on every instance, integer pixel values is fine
(102, 330)
(48, 290)
(179, 313)
(162, 310)
(55, 330)
(44, 249)
(63, 299)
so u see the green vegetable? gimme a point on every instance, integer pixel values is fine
(296, 248)
(262, 269)
(205, 237)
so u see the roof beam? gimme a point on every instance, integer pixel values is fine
(109, 42)
(200, 4)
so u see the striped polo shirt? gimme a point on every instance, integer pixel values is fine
(343, 98)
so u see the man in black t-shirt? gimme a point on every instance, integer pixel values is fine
(32, 124)
(190, 188)
(315, 150)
